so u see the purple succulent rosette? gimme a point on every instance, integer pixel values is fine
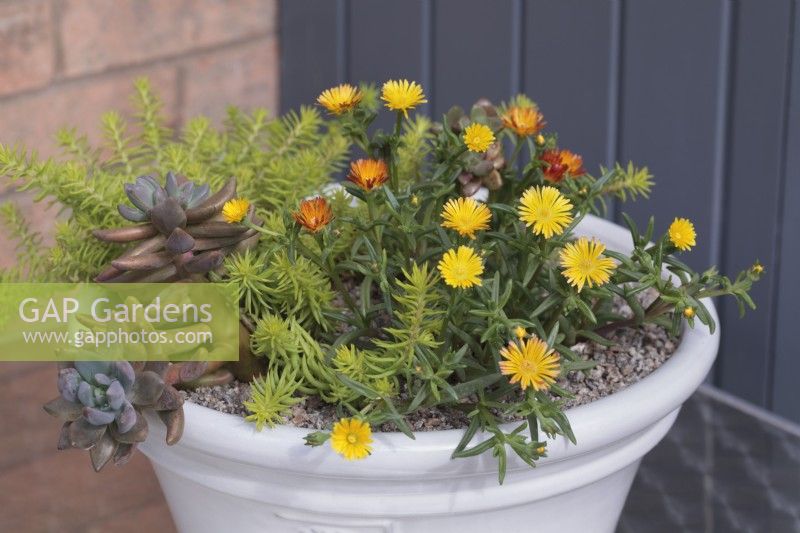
(180, 235)
(101, 404)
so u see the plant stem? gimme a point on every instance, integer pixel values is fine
(515, 153)
(337, 280)
(265, 231)
(394, 142)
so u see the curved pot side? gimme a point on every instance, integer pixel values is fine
(411, 482)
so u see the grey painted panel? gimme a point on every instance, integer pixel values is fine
(752, 189)
(567, 60)
(386, 43)
(668, 115)
(309, 62)
(471, 52)
(785, 389)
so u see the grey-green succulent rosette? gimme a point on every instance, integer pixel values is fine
(101, 404)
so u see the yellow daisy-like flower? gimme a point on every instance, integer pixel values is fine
(461, 268)
(546, 209)
(757, 268)
(688, 312)
(351, 438)
(523, 120)
(531, 363)
(368, 173)
(340, 99)
(235, 210)
(466, 216)
(402, 95)
(682, 234)
(520, 332)
(583, 264)
(478, 137)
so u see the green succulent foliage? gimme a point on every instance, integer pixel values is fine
(298, 288)
(419, 314)
(30, 261)
(274, 339)
(413, 150)
(245, 272)
(272, 397)
(275, 160)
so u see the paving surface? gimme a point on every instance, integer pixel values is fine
(720, 470)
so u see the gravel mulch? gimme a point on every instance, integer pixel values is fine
(636, 353)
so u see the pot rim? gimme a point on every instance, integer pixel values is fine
(598, 424)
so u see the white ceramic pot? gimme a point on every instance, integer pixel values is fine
(224, 476)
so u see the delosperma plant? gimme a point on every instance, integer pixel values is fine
(444, 270)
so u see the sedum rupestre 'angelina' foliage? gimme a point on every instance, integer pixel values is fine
(444, 271)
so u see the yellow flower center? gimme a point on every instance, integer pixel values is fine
(351, 438)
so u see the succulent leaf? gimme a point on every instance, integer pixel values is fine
(147, 389)
(199, 194)
(171, 185)
(179, 242)
(103, 451)
(129, 234)
(129, 213)
(124, 372)
(86, 394)
(88, 369)
(142, 261)
(96, 417)
(84, 435)
(205, 262)
(168, 215)
(169, 400)
(137, 433)
(64, 409)
(123, 454)
(126, 418)
(185, 193)
(116, 395)
(68, 382)
(64, 442)
(174, 421)
(140, 195)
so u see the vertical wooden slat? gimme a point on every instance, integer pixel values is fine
(309, 47)
(668, 93)
(472, 44)
(567, 60)
(721, 131)
(787, 363)
(753, 189)
(385, 43)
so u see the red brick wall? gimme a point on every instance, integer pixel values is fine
(66, 62)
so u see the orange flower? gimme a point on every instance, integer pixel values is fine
(314, 214)
(559, 163)
(368, 173)
(554, 166)
(574, 163)
(524, 121)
